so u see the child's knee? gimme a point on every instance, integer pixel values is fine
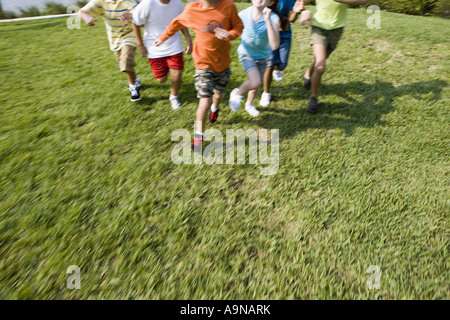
(254, 84)
(320, 67)
(162, 80)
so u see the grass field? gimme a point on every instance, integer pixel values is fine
(86, 176)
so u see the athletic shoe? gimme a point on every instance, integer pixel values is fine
(175, 102)
(197, 143)
(277, 75)
(235, 100)
(265, 99)
(307, 83)
(135, 96)
(213, 116)
(138, 83)
(252, 110)
(313, 106)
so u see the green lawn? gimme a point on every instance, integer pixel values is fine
(86, 176)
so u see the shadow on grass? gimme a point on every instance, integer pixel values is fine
(147, 102)
(359, 105)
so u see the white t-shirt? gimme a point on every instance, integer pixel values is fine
(156, 16)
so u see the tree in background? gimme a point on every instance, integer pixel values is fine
(6, 14)
(416, 7)
(32, 11)
(54, 8)
(81, 4)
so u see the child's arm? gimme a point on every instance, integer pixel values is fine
(272, 29)
(86, 13)
(142, 49)
(299, 6)
(236, 24)
(88, 19)
(236, 27)
(178, 23)
(187, 36)
(305, 16)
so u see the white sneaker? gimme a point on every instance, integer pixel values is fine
(235, 100)
(252, 110)
(277, 75)
(265, 99)
(138, 83)
(135, 96)
(175, 102)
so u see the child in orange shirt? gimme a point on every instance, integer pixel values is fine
(216, 23)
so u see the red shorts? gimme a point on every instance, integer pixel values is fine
(161, 66)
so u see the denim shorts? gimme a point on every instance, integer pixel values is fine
(280, 57)
(248, 63)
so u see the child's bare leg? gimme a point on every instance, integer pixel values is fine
(251, 96)
(310, 71)
(320, 56)
(175, 75)
(253, 82)
(202, 110)
(217, 99)
(162, 80)
(268, 78)
(131, 76)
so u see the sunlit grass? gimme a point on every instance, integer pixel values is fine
(86, 176)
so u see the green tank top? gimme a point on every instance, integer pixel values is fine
(330, 14)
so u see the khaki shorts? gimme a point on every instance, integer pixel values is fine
(208, 82)
(329, 38)
(125, 57)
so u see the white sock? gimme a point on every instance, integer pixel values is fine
(172, 97)
(306, 77)
(199, 133)
(132, 86)
(213, 108)
(237, 92)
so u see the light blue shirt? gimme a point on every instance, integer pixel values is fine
(254, 39)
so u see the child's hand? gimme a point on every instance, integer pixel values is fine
(267, 11)
(126, 16)
(143, 51)
(188, 49)
(305, 16)
(222, 34)
(299, 5)
(90, 21)
(157, 42)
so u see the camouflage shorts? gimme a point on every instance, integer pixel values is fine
(208, 82)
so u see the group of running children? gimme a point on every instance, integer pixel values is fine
(263, 51)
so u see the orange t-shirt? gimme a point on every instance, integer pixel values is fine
(209, 51)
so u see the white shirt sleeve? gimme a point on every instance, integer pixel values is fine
(141, 13)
